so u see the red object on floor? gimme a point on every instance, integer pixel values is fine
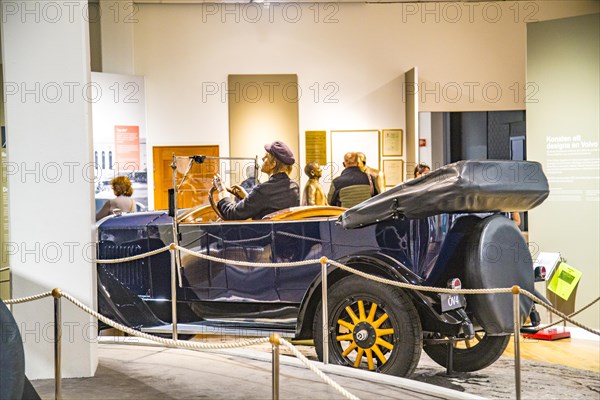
(549, 334)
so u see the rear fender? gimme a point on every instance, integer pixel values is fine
(497, 256)
(373, 263)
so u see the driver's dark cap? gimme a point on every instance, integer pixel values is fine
(280, 151)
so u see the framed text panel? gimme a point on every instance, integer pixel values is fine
(394, 172)
(392, 142)
(315, 145)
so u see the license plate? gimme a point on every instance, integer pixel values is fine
(452, 301)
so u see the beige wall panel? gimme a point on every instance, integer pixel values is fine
(262, 108)
(5, 289)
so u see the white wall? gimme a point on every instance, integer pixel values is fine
(48, 122)
(122, 103)
(563, 61)
(117, 19)
(350, 60)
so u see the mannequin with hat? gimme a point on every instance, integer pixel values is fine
(278, 193)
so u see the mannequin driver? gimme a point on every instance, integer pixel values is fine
(277, 193)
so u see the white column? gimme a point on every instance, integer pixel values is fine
(50, 176)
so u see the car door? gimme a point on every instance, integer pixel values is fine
(202, 279)
(299, 241)
(251, 242)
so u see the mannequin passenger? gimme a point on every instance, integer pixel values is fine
(313, 194)
(376, 176)
(352, 186)
(121, 186)
(421, 169)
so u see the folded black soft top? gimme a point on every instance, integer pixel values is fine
(461, 187)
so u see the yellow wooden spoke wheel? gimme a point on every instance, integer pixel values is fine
(371, 326)
(363, 336)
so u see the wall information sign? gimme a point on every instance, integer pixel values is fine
(127, 147)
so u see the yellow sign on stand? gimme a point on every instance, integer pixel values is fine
(564, 280)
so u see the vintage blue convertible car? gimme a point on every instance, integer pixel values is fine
(431, 231)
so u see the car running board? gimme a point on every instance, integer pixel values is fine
(224, 328)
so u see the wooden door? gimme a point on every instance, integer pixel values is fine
(198, 182)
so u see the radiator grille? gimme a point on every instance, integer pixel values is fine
(132, 274)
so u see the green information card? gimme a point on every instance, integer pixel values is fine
(564, 280)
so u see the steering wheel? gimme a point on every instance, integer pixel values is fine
(213, 203)
(235, 190)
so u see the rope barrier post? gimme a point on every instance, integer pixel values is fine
(325, 322)
(56, 293)
(516, 290)
(173, 290)
(274, 339)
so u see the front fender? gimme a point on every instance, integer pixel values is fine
(117, 302)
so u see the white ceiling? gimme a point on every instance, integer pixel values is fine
(301, 1)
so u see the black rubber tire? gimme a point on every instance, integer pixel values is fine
(402, 317)
(483, 354)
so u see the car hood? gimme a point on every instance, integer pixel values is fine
(135, 220)
(461, 187)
